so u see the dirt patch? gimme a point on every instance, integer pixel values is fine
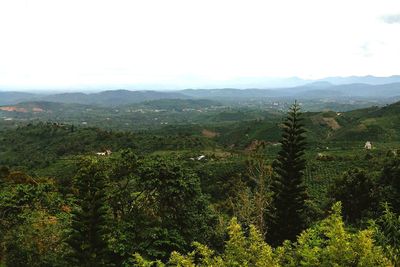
(332, 123)
(16, 109)
(209, 134)
(37, 110)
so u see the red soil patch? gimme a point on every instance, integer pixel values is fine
(16, 109)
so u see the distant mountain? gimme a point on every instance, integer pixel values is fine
(10, 98)
(229, 93)
(317, 94)
(357, 90)
(328, 88)
(319, 84)
(271, 82)
(78, 98)
(382, 90)
(308, 91)
(260, 82)
(113, 98)
(372, 80)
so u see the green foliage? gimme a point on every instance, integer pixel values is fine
(16, 199)
(251, 201)
(289, 188)
(155, 199)
(328, 243)
(239, 251)
(32, 221)
(52, 149)
(4, 172)
(89, 228)
(37, 146)
(390, 183)
(358, 193)
(38, 241)
(175, 212)
(180, 105)
(157, 206)
(139, 261)
(387, 234)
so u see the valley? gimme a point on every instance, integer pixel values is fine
(227, 148)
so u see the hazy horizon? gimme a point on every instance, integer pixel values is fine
(244, 83)
(95, 45)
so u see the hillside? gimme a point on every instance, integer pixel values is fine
(318, 90)
(370, 124)
(10, 98)
(37, 146)
(43, 107)
(176, 104)
(374, 124)
(57, 112)
(309, 91)
(112, 98)
(235, 126)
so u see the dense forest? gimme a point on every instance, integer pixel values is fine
(240, 187)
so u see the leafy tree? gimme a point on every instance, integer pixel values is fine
(89, 229)
(172, 211)
(125, 199)
(252, 200)
(16, 199)
(390, 184)
(357, 192)
(261, 175)
(387, 234)
(122, 170)
(289, 189)
(158, 207)
(328, 243)
(4, 172)
(239, 251)
(32, 221)
(37, 241)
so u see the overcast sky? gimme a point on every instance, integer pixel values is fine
(78, 43)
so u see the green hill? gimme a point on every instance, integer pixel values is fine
(370, 124)
(177, 104)
(113, 98)
(373, 124)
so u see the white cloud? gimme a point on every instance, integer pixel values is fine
(59, 43)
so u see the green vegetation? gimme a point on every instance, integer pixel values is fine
(89, 218)
(218, 187)
(289, 189)
(326, 244)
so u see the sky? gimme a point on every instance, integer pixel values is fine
(63, 44)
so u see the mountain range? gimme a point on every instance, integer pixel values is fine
(332, 88)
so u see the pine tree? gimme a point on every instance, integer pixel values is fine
(89, 221)
(289, 189)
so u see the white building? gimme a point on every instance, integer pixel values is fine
(368, 145)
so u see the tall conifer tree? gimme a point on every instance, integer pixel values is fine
(289, 189)
(89, 222)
